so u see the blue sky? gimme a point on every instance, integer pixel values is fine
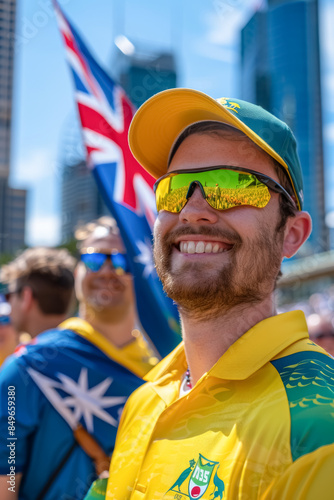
(204, 38)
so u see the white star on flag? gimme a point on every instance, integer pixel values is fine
(82, 400)
(145, 257)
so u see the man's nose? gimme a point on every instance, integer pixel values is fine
(191, 188)
(107, 266)
(197, 208)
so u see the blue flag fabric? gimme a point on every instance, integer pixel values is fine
(105, 114)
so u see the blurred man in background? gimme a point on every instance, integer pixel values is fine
(40, 288)
(72, 382)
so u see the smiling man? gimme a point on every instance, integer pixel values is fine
(67, 387)
(247, 398)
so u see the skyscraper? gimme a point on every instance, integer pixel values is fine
(12, 201)
(281, 72)
(143, 73)
(7, 30)
(81, 200)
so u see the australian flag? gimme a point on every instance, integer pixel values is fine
(105, 114)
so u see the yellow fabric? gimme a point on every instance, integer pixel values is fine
(139, 352)
(136, 356)
(230, 433)
(309, 478)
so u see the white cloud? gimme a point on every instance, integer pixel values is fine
(226, 20)
(43, 230)
(328, 93)
(329, 132)
(329, 82)
(38, 164)
(329, 219)
(326, 32)
(222, 30)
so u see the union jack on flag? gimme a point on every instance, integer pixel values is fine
(105, 114)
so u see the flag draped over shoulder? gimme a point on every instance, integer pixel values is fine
(68, 389)
(105, 115)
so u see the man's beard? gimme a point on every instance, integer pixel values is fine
(247, 277)
(108, 300)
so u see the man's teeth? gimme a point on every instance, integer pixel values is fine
(200, 247)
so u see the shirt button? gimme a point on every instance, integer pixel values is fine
(141, 488)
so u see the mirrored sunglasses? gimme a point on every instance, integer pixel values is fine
(5, 320)
(222, 186)
(95, 260)
(8, 294)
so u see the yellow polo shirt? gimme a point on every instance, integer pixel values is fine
(258, 425)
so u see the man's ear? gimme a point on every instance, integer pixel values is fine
(27, 298)
(296, 232)
(79, 274)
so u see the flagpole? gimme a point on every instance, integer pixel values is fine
(176, 8)
(118, 28)
(118, 17)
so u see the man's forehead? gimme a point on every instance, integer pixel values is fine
(107, 242)
(215, 148)
(13, 285)
(228, 135)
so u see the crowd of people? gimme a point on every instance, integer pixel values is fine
(319, 312)
(243, 407)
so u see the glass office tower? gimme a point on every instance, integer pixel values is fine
(12, 201)
(281, 72)
(7, 33)
(81, 200)
(143, 73)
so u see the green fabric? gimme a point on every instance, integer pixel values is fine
(98, 490)
(308, 378)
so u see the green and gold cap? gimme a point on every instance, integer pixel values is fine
(162, 118)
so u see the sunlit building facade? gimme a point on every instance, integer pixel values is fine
(280, 70)
(143, 73)
(7, 33)
(12, 201)
(81, 200)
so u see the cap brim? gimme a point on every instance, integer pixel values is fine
(161, 119)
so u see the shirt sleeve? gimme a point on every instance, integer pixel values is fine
(309, 477)
(20, 400)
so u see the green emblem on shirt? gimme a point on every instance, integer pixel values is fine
(199, 480)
